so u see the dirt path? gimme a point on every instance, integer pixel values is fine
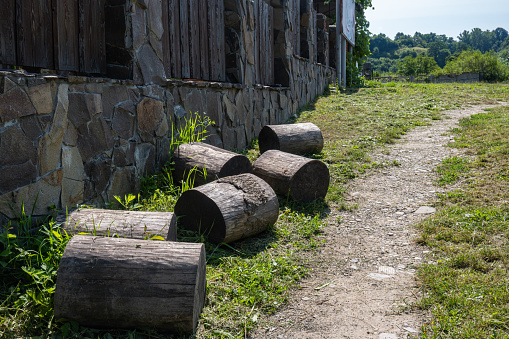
(362, 283)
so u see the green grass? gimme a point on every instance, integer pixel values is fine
(253, 277)
(29, 261)
(451, 170)
(467, 289)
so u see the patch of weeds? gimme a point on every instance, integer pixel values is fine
(252, 151)
(29, 259)
(452, 169)
(453, 196)
(343, 206)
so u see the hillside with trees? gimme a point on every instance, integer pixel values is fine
(432, 53)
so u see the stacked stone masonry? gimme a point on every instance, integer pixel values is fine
(68, 140)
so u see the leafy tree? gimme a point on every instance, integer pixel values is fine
(386, 47)
(465, 37)
(442, 56)
(442, 48)
(419, 40)
(417, 66)
(404, 40)
(504, 56)
(504, 51)
(481, 40)
(361, 50)
(435, 50)
(407, 52)
(384, 65)
(461, 46)
(501, 34)
(408, 66)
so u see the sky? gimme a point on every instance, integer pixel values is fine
(449, 17)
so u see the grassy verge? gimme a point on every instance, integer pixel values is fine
(253, 277)
(467, 288)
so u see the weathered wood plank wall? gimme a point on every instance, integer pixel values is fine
(264, 42)
(92, 36)
(196, 40)
(217, 41)
(65, 35)
(69, 36)
(294, 12)
(7, 33)
(66, 28)
(174, 37)
(34, 33)
(204, 38)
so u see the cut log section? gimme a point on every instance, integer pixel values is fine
(291, 175)
(229, 209)
(130, 283)
(198, 158)
(122, 224)
(304, 138)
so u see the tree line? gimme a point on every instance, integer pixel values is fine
(430, 53)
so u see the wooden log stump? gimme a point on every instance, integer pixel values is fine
(304, 138)
(229, 209)
(122, 224)
(217, 162)
(131, 283)
(291, 175)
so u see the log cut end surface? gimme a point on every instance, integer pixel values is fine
(123, 224)
(310, 182)
(229, 209)
(129, 283)
(238, 164)
(268, 139)
(301, 178)
(199, 213)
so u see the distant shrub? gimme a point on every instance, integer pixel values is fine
(417, 66)
(474, 61)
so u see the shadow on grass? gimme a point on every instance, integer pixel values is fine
(251, 247)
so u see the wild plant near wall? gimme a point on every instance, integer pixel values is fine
(29, 260)
(159, 192)
(192, 129)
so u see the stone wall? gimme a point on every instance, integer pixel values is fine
(72, 140)
(460, 78)
(66, 141)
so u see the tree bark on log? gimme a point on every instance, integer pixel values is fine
(229, 209)
(291, 175)
(217, 162)
(304, 138)
(122, 224)
(130, 283)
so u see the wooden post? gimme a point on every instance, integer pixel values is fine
(122, 224)
(343, 61)
(131, 283)
(338, 42)
(8, 33)
(229, 209)
(300, 178)
(216, 162)
(303, 138)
